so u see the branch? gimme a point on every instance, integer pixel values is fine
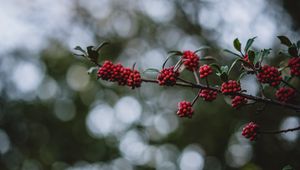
(279, 131)
(255, 98)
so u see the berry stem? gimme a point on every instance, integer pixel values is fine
(206, 80)
(196, 98)
(279, 131)
(196, 77)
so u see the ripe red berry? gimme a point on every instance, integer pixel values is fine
(205, 70)
(208, 94)
(238, 101)
(270, 75)
(115, 73)
(105, 71)
(250, 131)
(283, 94)
(125, 73)
(185, 109)
(167, 76)
(294, 64)
(190, 60)
(134, 80)
(230, 86)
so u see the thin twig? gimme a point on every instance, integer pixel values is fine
(279, 131)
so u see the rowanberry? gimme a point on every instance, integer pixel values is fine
(294, 64)
(167, 77)
(208, 94)
(205, 70)
(116, 72)
(250, 131)
(124, 76)
(283, 94)
(230, 86)
(270, 75)
(190, 60)
(238, 101)
(185, 109)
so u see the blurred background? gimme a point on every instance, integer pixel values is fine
(53, 115)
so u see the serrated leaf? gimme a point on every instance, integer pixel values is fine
(293, 51)
(151, 70)
(248, 44)
(284, 54)
(251, 56)
(285, 40)
(228, 51)
(237, 44)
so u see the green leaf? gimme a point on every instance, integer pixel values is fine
(92, 54)
(175, 52)
(202, 48)
(285, 40)
(293, 51)
(284, 54)
(153, 70)
(288, 167)
(169, 56)
(208, 58)
(228, 51)
(233, 64)
(298, 44)
(242, 75)
(224, 77)
(251, 56)
(80, 49)
(224, 69)
(237, 44)
(92, 70)
(100, 46)
(215, 65)
(248, 44)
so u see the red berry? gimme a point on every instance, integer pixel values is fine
(230, 86)
(185, 109)
(270, 75)
(116, 72)
(134, 80)
(125, 73)
(283, 94)
(190, 60)
(167, 76)
(294, 64)
(105, 72)
(238, 101)
(205, 70)
(250, 131)
(208, 94)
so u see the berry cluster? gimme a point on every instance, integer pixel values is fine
(190, 60)
(230, 86)
(119, 73)
(185, 109)
(283, 94)
(250, 131)
(238, 101)
(208, 94)
(270, 75)
(294, 64)
(167, 76)
(205, 70)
